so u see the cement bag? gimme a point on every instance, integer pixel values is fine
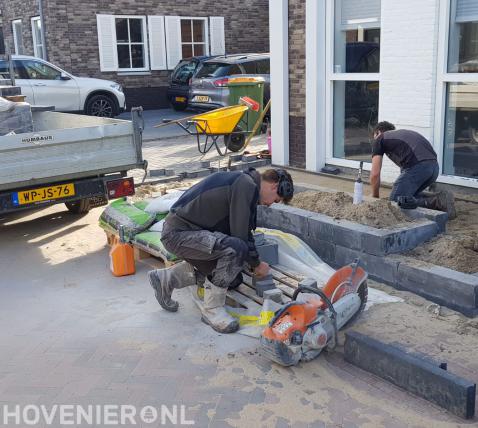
(152, 241)
(157, 227)
(163, 204)
(15, 118)
(122, 213)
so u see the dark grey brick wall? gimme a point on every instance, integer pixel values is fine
(24, 10)
(72, 38)
(297, 83)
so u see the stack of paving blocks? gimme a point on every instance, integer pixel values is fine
(15, 117)
(269, 253)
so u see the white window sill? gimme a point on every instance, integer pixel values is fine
(134, 73)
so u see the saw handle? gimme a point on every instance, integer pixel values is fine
(323, 296)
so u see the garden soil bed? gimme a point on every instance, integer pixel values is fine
(379, 213)
(457, 249)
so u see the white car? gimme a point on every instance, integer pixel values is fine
(46, 84)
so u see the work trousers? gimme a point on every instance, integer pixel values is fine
(217, 256)
(413, 181)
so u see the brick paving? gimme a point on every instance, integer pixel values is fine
(71, 333)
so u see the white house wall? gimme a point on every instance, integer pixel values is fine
(408, 65)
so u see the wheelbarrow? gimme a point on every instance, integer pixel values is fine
(228, 122)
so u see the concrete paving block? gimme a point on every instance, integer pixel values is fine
(268, 252)
(169, 172)
(379, 268)
(189, 174)
(308, 282)
(350, 234)
(324, 249)
(285, 218)
(321, 227)
(266, 283)
(156, 172)
(163, 180)
(447, 287)
(202, 172)
(412, 373)
(381, 242)
(236, 157)
(273, 294)
(205, 164)
(249, 158)
(440, 218)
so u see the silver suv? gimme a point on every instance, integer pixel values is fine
(209, 90)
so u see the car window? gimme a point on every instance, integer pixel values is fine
(5, 70)
(263, 66)
(183, 71)
(250, 67)
(217, 69)
(39, 70)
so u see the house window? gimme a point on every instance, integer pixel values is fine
(38, 48)
(193, 38)
(460, 149)
(17, 36)
(355, 68)
(130, 43)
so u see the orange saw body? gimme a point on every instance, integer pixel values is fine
(302, 328)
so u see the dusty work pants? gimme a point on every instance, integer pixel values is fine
(215, 255)
(413, 181)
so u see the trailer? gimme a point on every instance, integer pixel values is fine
(82, 161)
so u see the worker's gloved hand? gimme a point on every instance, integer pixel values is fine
(262, 270)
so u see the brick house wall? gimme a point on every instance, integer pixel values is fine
(72, 37)
(24, 10)
(297, 83)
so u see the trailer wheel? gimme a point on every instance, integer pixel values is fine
(82, 206)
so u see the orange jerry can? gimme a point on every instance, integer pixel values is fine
(122, 256)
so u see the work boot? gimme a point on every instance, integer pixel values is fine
(164, 281)
(441, 201)
(214, 313)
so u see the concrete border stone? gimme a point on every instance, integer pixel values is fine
(411, 372)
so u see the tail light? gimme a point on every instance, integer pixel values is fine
(220, 83)
(120, 187)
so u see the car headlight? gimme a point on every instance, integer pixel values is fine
(117, 86)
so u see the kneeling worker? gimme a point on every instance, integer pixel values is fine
(210, 228)
(418, 164)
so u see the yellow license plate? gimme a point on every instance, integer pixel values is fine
(202, 99)
(44, 194)
(180, 99)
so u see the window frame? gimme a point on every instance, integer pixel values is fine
(15, 40)
(331, 78)
(145, 43)
(205, 34)
(443, 78)
(37, 43)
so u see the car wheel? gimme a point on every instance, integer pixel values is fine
(179, 107)
(82, 206)
(101, 106)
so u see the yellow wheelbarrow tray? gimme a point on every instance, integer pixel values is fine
(209, 126)
(221, 121)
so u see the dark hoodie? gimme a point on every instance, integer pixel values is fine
(224, 202)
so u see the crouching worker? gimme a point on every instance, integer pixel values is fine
(210, 229)
(418, 164)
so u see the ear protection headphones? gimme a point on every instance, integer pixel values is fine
(285, 188)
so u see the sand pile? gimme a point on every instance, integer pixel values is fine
(458, 248)
(379, 213)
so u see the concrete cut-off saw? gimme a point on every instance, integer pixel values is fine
(309, 323)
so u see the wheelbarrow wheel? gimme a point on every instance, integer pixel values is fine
(235, 141)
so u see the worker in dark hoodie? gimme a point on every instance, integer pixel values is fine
(210, 229)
